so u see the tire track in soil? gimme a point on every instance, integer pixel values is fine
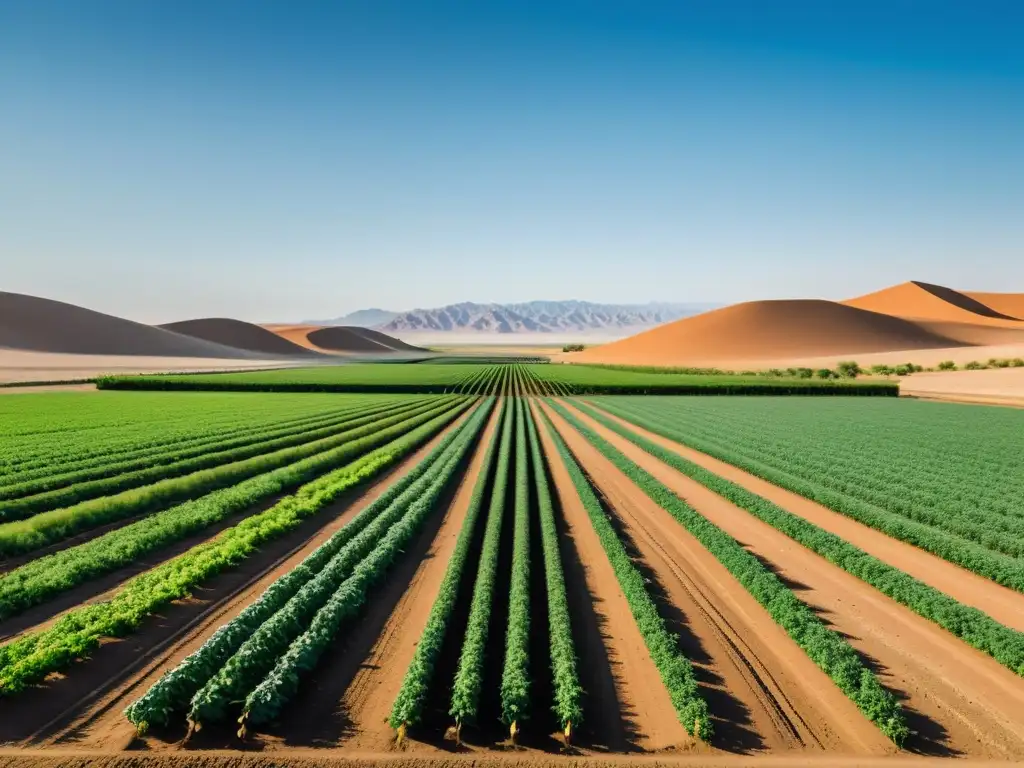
(626, 706)
(958, 701)
(84, 706)
(358, 679)
(1001, 603)
(780, 701)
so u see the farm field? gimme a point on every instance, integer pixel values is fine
(462, 375)
(507, 572)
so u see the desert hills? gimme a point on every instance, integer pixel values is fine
(44, 333)
(909, 317)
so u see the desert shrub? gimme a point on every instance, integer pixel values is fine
(974, 365)
(804, 373)
(1017, 362)
(825, 373)
(882, 370)
(1001, 363)
(848, 369)
(947, 365)
(573, 348)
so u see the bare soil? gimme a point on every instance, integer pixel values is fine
(958, 701)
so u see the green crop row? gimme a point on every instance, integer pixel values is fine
(976, 628)
(255, 658)
(1001, 568)
(49, 527)
(39, 580)
(33, 656)
(567, 689)
(117, 481)
(826, 648)
(265, 702)
(411, 699)
(208, 449)
(172, 692)
(469, 676)
(515, 676)
(675, 669)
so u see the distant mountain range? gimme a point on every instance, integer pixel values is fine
(527, 317)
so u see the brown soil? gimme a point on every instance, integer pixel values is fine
(84, 705)
(958, 701)
(1004, 605)
(627, 705)
(239, 334)
(763, 690)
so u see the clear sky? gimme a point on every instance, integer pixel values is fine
(289, 160)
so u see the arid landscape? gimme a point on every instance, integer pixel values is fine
(511, 385)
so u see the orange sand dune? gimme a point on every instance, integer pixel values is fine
(239, 334)
(923, 301)
(43, 325)
(1011, 304)
(761, 330)
(339, 339)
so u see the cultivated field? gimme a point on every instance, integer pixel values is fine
(499, 562)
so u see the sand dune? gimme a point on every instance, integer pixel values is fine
(44, 325)
(1011, 304)
(340, 339)
(923, 301)
(241, 335)
(768, 329)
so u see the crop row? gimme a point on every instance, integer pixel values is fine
(52, 430)
(412, 697)
(264, 439)
(33, 656)
(825, 647)
(256, 657)
(976, 628)
(950, 541)
(41, 579)
(675, 670)
(133, 474)
(49, 527)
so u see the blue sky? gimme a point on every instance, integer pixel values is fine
(287, 160)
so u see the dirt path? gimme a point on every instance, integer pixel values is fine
(85, 706)
(764, 692)
(629, 708)
(1002, 604)
(958, 701)
(360, 678)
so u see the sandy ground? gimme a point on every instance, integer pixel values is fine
(959, 702)
(18, 365)
(996, 385)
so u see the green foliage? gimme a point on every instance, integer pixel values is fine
(41, 579)
(971, 625)
(974, 365)
(49, 527)
(469, 676)
(408, 706)
(675, 669)
(515, 677)
(34, 655)
(960, 470)
(172, 692)
(567, 690)
(574, 348)
(947, 365)
(383, 547)
(826, 648)
(848, 369)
